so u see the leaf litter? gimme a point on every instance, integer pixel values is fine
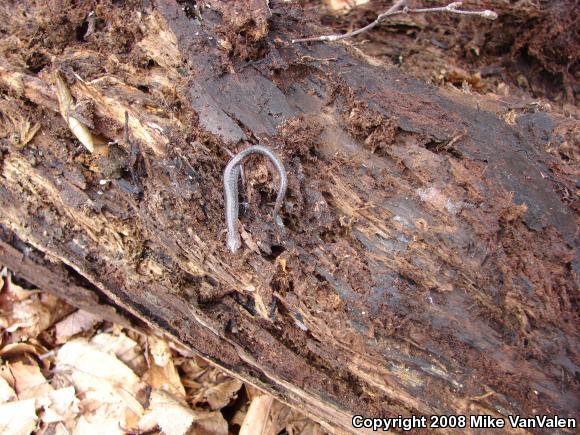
(66, 371)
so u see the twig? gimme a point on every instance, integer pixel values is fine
(398, 9)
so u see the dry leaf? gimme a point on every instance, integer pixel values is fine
(56, 429)
(188, 383)
(214, 423)
(18, 418)
(33, 315)
(220, 395)
(295, 423)
(29, 382)
(24, 351)
(217, 388)
(304, 426)
(123, 347)
(257, 421)
(104, 420)
(6, 374)
(252, 391)
(30, 315)
(60, 405)
(6, 391)
(159, 350)
(191, 368)
(170, 414)
(162, 372)
(13, 292)
(131, 420)
(108, 418)
(100, 378)
(73, 324)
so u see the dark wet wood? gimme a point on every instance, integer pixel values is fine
(428, 263)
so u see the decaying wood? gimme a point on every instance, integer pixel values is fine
(428, 264)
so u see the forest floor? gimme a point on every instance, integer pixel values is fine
(65, 370)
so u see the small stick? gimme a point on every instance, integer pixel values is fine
(397, 9)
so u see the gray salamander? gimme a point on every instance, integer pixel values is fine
(231, 175)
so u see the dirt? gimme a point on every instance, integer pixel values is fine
(408, 241)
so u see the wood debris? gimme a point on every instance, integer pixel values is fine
(66, 105)
(66, 371)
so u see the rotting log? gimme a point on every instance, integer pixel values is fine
(428, 263)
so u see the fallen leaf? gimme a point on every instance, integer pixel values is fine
(30, 315)
(162, 372)
(217, 388)
(13, 291)
(103, 420)
(57, 429)
(60, 405)
(188, 383)
(6, 391)
(159, 350)
(73, 324)
(31, 351)
(100, 378)
(169, 413)
(123, 347)
(29, 382)
(293, 422)
(213, 424)
(18, 418)
(33, 315)
(191, 368)
(220, 395)
(252, 391)
(6, 374)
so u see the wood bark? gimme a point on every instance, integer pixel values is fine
(428, 263)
